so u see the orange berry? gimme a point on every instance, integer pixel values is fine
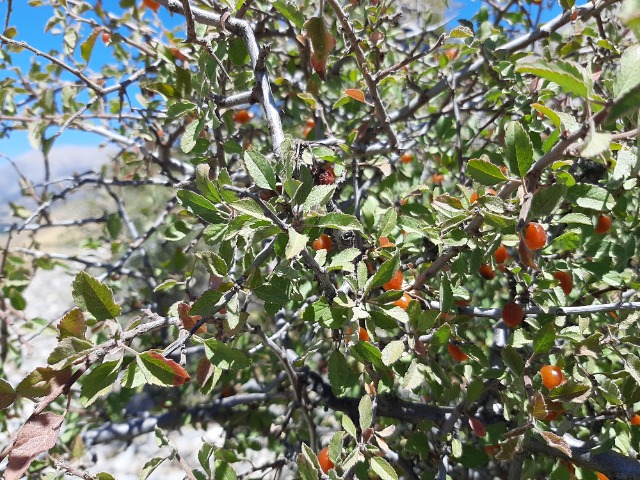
(228, 391)
(106, 37)
(500, 254)
(437, 177)
(512, 314)
(635, 420)
(323, 242)
(363, 334)
(474, 198)
(151, 5)
(403, 302)
(456, 353)
(535, 236)
(406, 157)
(551, 376)
(490, 191)
(603, 224)
(325, 462)
(487, 272)
(242, 117)
(384, 242)
(462, 303)
(566, 281)
(395, 283)
(601, 476)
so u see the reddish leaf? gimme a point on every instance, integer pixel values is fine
(189, 321)
(322, 42)
(180, 375)
(73, 324)
(355, 94)
(555, 441)
(37, 436)
(478, 427)
(204, 371)
(58, 384)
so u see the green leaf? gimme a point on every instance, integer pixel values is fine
(224, 471)
(191, 135)
(297, 242)
(250, 207)
(382, 468)
(335, 220)
(629, 13)
(86, 48)
(260, 169)
(290, 12)
(200, 206)
(596, 144)
(386, 271)
(341, 376)
(544, 338)
(388, 222)
(155, 369)
(207, 304)
(627, 85)
(591, 197)
(7, 394)
(99, 382)
(513, 360)
(578, 218)
(180, 108)
(518, 149)
(461, 32)
(365, 412)
(568, 75)
(322, 42)
(213, 262)
(149, 467)
(92, 296)
(69, 350)
(343, 260)
(349, 426)
(335, 446)
(546, 200)
(392, 352)
(611, 392)
(238, 52)
(73, 324)
(550, 114)
(484, 172)
(632, 366)
(318, 197)
(570, 392)
(225, 357)
(205, 185)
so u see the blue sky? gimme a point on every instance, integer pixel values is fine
(35, 18)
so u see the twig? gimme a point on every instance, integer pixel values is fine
(380, 111)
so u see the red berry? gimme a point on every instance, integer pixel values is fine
(325, 462)
(603, 224)
(551, 376)
(403, 302)
(323, 242)
(535, 236)
(487, 272)
(501, 254)
(566, 281)
(512, 314)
